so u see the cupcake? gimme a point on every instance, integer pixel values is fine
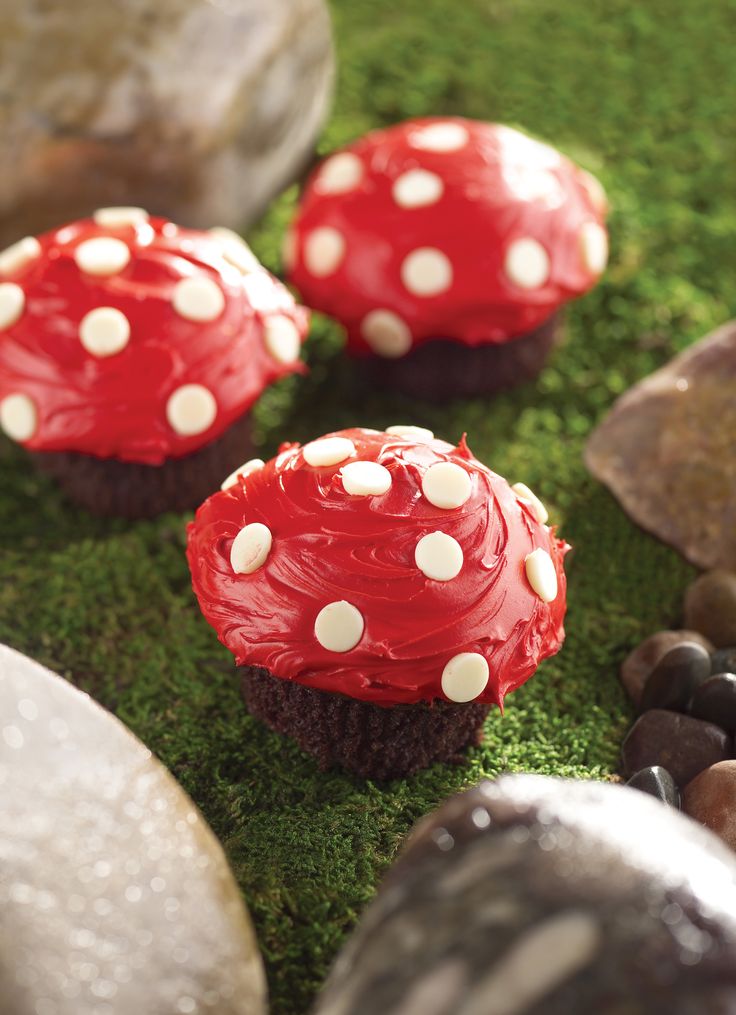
(379, 591)
(131, 352)
(446, 248)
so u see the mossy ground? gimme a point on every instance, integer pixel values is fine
(643, 95)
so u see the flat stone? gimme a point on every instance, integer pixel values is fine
(666, 451)
(115, 895)
(200, 111)
(657, 782)
(679, 743)
(537, 895)
(711, 799)
(710, 607)
(637, 666)
(674, 679)
(715, 701)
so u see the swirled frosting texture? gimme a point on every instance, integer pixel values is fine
(119, 405)
(330, 546)
(448, 228)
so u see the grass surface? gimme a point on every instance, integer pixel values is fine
(643, 95)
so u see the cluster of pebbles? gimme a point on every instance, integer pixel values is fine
(681, 749)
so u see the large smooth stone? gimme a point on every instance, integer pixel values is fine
(711, 799)
(115, 897)
(679, 743)
(667, 451)
(639, 663)
(535, 895)
(201, 111)
(710, 606)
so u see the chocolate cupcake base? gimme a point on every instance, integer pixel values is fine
(372, 741)
(442, 369)
(106, 486)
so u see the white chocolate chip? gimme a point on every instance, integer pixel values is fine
(250, 548)
(541, 574)
(104, 331)
(114, 218)
(594, 246)
(386, 333)
(426, 272)
(446, 485)
(595, 190)
(103, 255)
(12, 303)
(191, 409)
(282, 338)
(235, 250)
(245, 470)
(14, 258)
(365, 479)
(328, 451)
(324, 250)
(339, 174)
(465, 677)
(527, 264)
(418, 433)
(439, 137)
(539, 511)
(198, 298)
(339, 626)
(439, 556)
(18, 417)
(417, 188)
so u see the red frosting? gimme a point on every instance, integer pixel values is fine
(331, 546)
(423, 223)
(118, 405)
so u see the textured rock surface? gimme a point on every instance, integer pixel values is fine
(115, 896)
(711, 799)
(637, 666)
(667, 451)
(200, 111)
(679, 743)
(533, 895)
(710, 605)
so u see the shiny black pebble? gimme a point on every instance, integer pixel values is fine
(715, 701)
(723, 660)
(657, 782)
(673, 681)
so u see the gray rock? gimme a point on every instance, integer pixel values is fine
(667, 451)
(638, 665)
(115, 896)
(547, 897)
(201, 110)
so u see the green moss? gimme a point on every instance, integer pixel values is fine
(641, 94)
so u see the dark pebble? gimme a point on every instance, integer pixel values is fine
(715, 701)
(657, 782)
(673, 681)
(639, 663)
(723, 660)
(683, 745)
(710, 607)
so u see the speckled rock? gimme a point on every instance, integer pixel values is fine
(666, 451)
(115, 896)
(198, 110)
(710, 606)
(674, 679)
(637, 666)
(711, 799)
(679, 743)
(544, 897)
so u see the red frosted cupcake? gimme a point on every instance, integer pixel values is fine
(131, 351)
(446, 247)
(380, 591)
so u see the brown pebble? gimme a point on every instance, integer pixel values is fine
(637, 666)
(711, 799)
(679, 743)
(710, 607)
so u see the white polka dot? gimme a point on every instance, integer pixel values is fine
(417, 188)
(28, 709)
(324, 250)
(198, 298)
(527, 264)
(103, 255)
(446, 485)
(19, 255)
(104, 331)
(340, 173)
(439, 556)
(538, 509)
(594, 246)
(339, 627)
(328, 451)
(245, 470)
(13, 737)
(113, 218)
(426, 272)
(235, 250)
(418, 433)
(595, 191)
(439, 137)
(282, 338)
(18, 417)
(289, 249)
(365, 479)
(12, 303)
(250, 548)
(191, 409)
(386, 333)
(540, 572)
(465, 676)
